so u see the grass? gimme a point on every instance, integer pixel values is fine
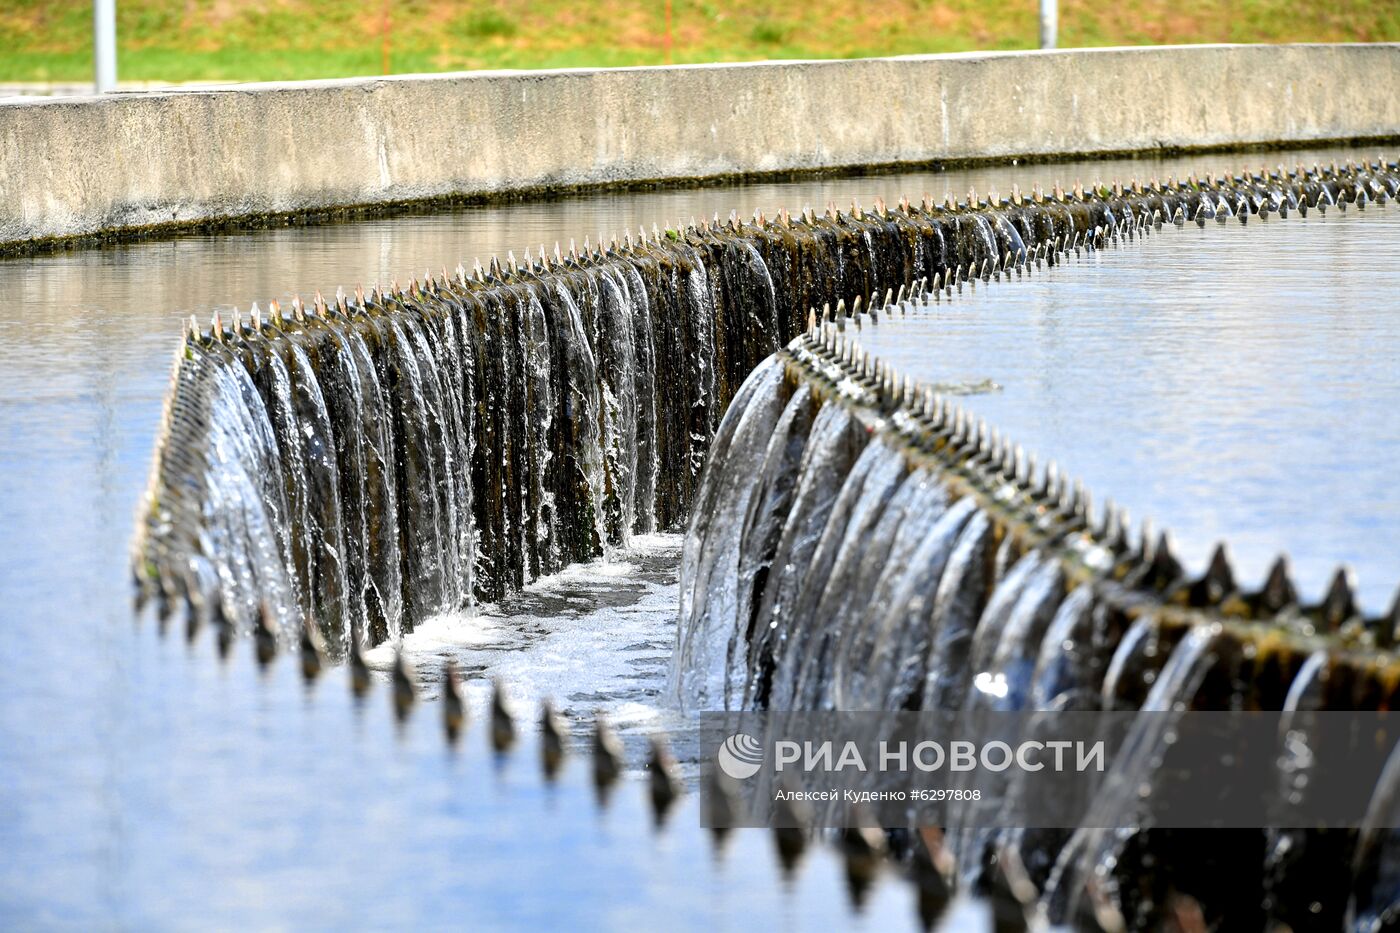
(486, 24)
(191, 40)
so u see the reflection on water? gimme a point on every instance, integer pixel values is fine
(246, 804)
(144, 785)
(1230, 384)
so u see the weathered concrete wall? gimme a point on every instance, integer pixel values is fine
(85, 165)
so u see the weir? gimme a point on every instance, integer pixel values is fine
(351, 467)
(415, 552)
(368, 461)
(863, 543)
(889, 552)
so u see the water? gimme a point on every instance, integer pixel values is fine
(150, 786)
(593, 636)
(255, 806)
(1228, 383)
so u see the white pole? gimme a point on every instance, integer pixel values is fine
(104, 45)
(1049, 17)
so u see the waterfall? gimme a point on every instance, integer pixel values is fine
(369, 462)
(820, 613)
(834, 445)
(1321, 855)
(708, 595)
(1375, 891)
(773, 487)
(455, 439)
(890, 550)
(960, 584)
(894, 554)
(246, 515)
(851, 542)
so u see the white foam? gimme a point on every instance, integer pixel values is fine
(593, 637)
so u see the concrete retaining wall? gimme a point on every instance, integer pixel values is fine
(81, 166)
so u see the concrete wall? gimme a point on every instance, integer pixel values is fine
(80, 166)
